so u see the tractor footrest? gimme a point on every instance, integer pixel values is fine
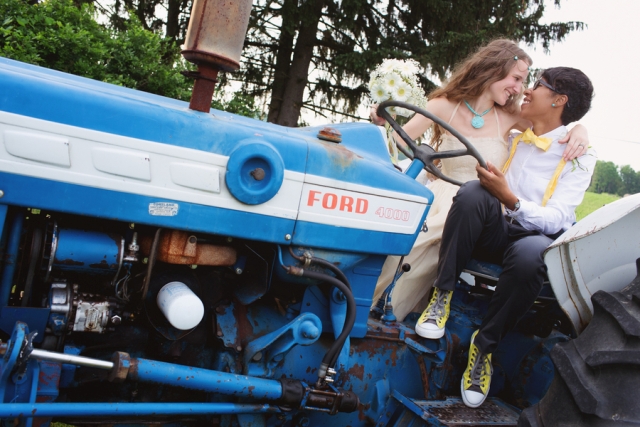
(403, 411)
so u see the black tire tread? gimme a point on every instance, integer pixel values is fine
(622, 308)
(598, 373)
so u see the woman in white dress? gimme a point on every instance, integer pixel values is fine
(481, 100)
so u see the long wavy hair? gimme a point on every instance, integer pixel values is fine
(474, 75)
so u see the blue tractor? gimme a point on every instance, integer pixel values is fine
(164, 264)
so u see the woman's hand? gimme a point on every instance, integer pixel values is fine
(577, 142)
(375, 119)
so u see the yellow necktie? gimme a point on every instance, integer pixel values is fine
(542, 143)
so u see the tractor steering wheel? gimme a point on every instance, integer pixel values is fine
(425, 153)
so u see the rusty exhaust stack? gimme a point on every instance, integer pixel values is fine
(215, 36)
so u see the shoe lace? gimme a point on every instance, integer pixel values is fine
(437, 309)
(478, 373)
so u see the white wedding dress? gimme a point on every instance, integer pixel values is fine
(411, 292)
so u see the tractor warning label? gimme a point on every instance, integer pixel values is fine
(163, 209)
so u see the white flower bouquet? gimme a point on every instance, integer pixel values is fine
(396, 80)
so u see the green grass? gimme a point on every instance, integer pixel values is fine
(593, 201)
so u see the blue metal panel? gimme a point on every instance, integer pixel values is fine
(351, 239)
(362, 139)
(58, 97)
(338, 162)
(370, 360)
(87, 251)
(50, 95)
(76, 199)
(363, 277)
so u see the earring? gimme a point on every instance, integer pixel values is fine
(553, 105)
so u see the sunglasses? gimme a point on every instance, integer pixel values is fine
(545, 84)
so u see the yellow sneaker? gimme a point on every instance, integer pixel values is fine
(434, 317)
(476, 379)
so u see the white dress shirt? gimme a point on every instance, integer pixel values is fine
(529, 174)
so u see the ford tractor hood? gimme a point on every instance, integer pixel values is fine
(72, 144)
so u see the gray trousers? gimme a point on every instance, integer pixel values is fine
(477, 228)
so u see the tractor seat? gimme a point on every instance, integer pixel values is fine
(483, 269)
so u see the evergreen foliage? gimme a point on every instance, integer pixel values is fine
(318, 54)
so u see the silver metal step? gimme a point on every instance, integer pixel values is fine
(406, 412)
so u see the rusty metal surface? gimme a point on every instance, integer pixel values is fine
(121, 364)
(179, 247)
(216, 32)
(330, 134)
(205, 84)
(396, 331)
(453, 412)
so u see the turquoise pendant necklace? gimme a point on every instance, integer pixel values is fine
(477, 122)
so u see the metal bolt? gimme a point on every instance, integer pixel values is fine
(287, 237)
(229, 239)
(116, 320)
(309, 330)
(1, 193)
(239, 348)
(257, 356)
(238, 270)
(194, 266)
(258, 174)
(219, 333)
(193, 239)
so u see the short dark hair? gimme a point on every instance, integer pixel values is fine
(578, 88)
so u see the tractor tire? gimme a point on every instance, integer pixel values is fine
(597, 375)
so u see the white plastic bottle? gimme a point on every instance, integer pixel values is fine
(182, 308)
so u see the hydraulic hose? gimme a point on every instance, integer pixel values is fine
(341, 276)
(335, 270)
(342, 283)
(331, 356)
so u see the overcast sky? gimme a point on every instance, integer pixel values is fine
(607, 51)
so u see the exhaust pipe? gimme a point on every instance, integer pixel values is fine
(215, 36)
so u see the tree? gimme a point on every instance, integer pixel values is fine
(172, 22)
(605, 178)
(630, 181)
(57, 34)
(318, 54)
(312, 54)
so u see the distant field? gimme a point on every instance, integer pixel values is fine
(593, 201)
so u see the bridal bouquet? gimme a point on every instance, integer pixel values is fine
(396, 80)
